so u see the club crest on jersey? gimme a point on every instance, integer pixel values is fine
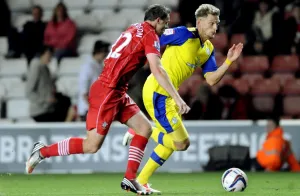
(207, 51)
(174, 120)
(157, 45)
(104, 125)
(169, 32)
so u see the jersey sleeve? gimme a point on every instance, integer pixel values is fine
(210, 65)
(175, 36)
(151, 44)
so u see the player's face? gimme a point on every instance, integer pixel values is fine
(207, 26)
(162, 25)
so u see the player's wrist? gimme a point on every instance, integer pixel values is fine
(177, 98)
(228, 62)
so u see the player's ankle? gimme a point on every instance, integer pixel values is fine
(130, 177)
(42, 152)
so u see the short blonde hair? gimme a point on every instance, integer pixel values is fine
(205, 9)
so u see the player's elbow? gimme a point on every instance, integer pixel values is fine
(211, 81)
(210, 78)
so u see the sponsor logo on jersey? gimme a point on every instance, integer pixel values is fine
(191, 65)
(157, 45)
(207, 51)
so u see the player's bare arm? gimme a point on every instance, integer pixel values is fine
(233, 54)
(164, 80)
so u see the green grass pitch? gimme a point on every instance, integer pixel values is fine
(171, 184)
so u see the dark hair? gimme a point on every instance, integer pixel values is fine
(156, 11)
(39, 8)
(65, 12)
(45, 49)
(100, 46)
(275, 120)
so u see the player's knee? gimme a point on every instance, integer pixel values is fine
(90, 146)
(145, 130)
(93, 149)
(93, 142)
(182, 146)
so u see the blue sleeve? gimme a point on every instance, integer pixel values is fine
(175, 36)
(210, 65)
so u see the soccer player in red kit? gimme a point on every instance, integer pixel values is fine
(108, 100)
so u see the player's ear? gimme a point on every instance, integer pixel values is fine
(158, 20)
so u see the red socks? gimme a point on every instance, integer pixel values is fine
(63, 148)
(74, 146)
(136, 153)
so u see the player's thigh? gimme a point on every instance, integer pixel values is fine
(140, 124)
(149, 106)
(103, 108)
(148, 100)
(166, 115)
(179, 133)
(131, 115)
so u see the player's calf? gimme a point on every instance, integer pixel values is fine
(182, 146)
(138, 143)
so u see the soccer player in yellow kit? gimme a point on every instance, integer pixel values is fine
(187, 49)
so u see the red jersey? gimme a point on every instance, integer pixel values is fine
(128, 54)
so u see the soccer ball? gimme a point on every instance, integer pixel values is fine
(234, 180)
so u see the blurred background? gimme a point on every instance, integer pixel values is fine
(264, 82)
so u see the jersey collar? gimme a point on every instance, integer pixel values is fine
(149, 25)
(198, 36)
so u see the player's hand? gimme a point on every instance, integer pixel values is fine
(183, 107)
(234, 52)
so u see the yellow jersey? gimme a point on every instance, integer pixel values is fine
(184, 53)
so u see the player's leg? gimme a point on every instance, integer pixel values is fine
(155, 105)
(163, 111)
(157, 135)
(157, 158)
(162, 153)
(131, 115)
(73, 145)
(100, 115)
(168, 140)
(169, 130)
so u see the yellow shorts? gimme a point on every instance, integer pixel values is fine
(164, 112)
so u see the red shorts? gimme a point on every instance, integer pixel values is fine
(106, 105)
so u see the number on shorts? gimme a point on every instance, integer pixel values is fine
(116, 53)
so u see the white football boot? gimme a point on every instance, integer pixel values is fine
(154, 191)
(35, 157)
(135, 187)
